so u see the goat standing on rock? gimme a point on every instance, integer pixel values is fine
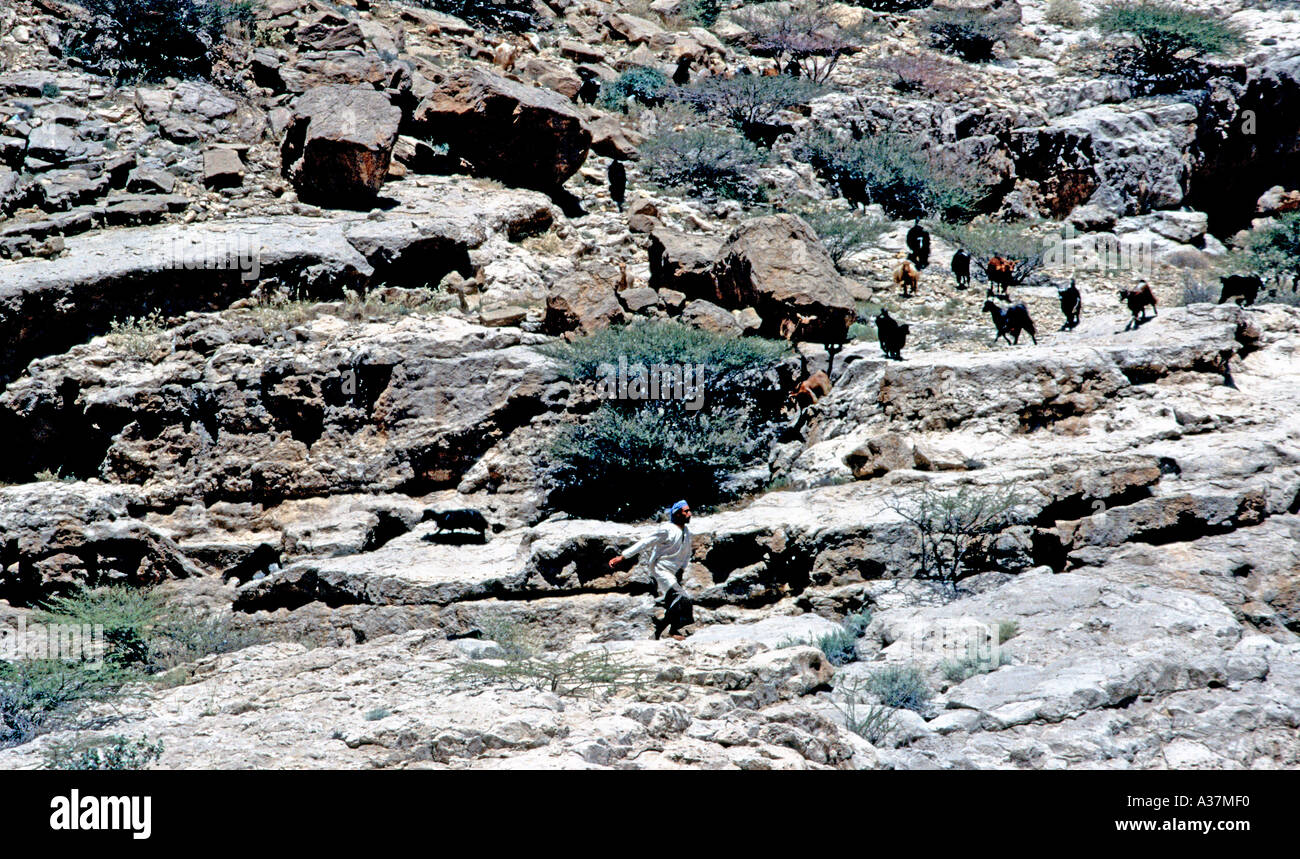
(907, 277)
(1010, 321)
(892, 335)
(1243, 287)
(918, 242)
(1138, 300)
(1071, 305)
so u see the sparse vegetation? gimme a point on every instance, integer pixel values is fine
(41, 695)
(376, 714)
(953, 529)
(1007, 630)
(873, 722)
(891, 5)
(958, 670)
(924, 74)
(1170, 40)
(1199, 291)
(806, 35)
(138, 335)
(842, 233)
(704, 162)
(1066, 13)
(747, 99)
(892, 170)
(702, 12)
(114, 753)
(645, 85)
(153, 39)
(525, 665)
(967, 33)
(1274, 250)
(985, 239)
(901, 687)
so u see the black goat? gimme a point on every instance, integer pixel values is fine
(918, 242)
(617, 182)
(1071, 304)
(764, 134)
(1010, 321)
(590, 89)
(682, 76)
(961, 268)
(892, 335)
(465, 519)
(1243, 287)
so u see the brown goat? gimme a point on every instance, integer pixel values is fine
(907, 276)
(1000, 272)
(811, 389)
(1138, 300)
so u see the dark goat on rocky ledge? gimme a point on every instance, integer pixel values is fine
(1010, 321)
(1138, 300)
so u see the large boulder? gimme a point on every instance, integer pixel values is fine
(338, 147)
(683, 262)
(583, 302)
(524, 136)
(776, 265)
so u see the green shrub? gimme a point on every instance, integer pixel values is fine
(984, 240)
(704, 162)
(958, 670)
(840, 647)
(967, 33)
(872, 722)
(843, 233)
(40, 695)
(747, 99)
(1274, 250)
(646, 85)
(376, 714)
(954, 529)
(114, 753)
(154, 39)
(586, 672)
(901, 687)
(702, 12)
(661, 342)
(1007, 630)
(1169, 39)
(895, 172)
(142, 632)
(630, 455)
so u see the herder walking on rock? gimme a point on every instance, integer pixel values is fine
(670, 552)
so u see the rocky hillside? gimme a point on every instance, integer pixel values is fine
(263, 311)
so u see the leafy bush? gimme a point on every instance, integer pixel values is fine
(702, 12)
(114, 753)
(646, 85)
(840, 647)
(661, 342)
(901, 687)
(1274, 250)
(967, 33)
(1007, 630)
(806, 35)
(1169, 39)
(984, 240)
(704, 162)
(843, 233)
(954, 528)
(515, 16)
(747, 99)
(893, 171)
(582, 673)
(40, 695)
(142, 632)
(630, 455)
(154, 39)
(1199, 291)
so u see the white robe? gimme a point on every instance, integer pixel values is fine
(670, 552)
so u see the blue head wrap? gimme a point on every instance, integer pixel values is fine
(672, 511)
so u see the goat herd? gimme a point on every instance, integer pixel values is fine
(1011, 320)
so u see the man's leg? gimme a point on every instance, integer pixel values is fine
(679, 612)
